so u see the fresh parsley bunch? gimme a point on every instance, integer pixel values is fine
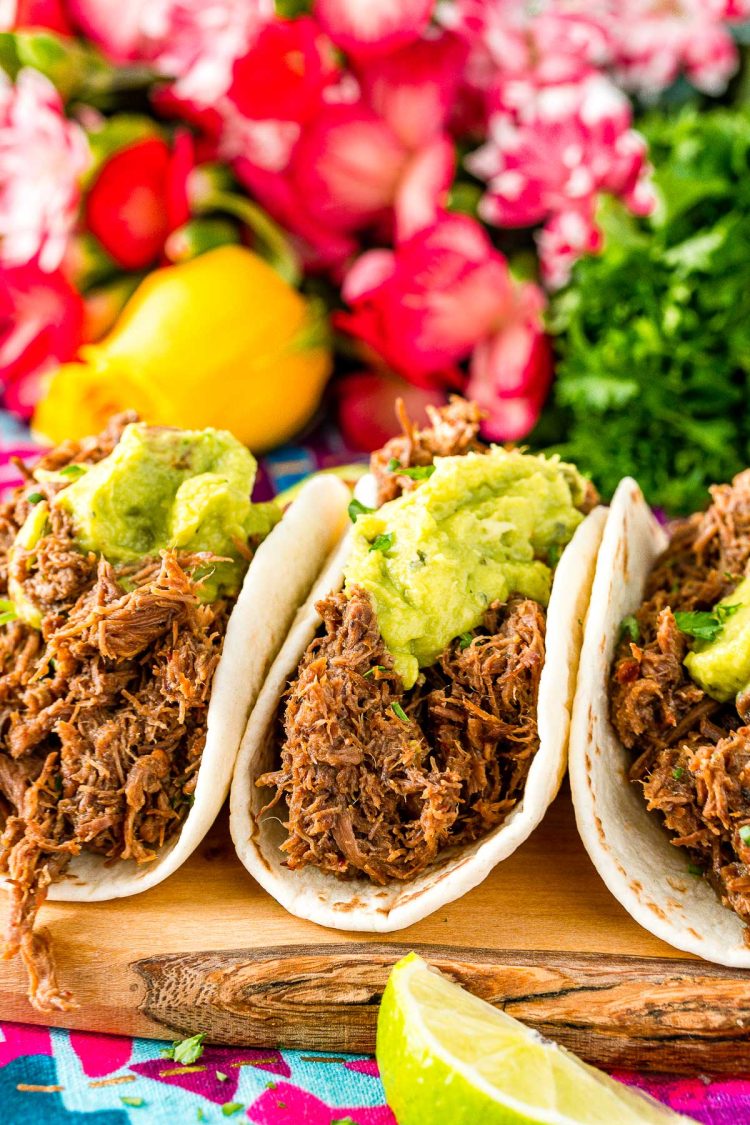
(653, 334)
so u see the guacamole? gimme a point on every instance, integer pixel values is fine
(188, 489)
(722, 666)
(480, 528)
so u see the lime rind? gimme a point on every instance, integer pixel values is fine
(447, 1056)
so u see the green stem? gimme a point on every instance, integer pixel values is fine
(279, 253)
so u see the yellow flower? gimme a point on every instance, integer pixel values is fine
(220, 340)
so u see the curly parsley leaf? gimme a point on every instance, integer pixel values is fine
(653, 334)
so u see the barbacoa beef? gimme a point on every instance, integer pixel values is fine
(691, 754)
(371, 793)
(102, 712)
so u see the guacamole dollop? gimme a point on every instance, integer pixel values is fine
(188, 489)
(480, 528)
(722, 666)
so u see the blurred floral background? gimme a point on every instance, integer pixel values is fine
(233, 213)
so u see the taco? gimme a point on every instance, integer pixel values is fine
(660, 746)
(413, 729)
(144, 597)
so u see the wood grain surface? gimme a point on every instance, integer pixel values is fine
(209, 951)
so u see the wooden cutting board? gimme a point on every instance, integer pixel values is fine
(209, 951)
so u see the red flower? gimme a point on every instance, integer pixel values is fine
(49, 14)
(365, 407)
(139, 197)
(41, 317)
(283, 75)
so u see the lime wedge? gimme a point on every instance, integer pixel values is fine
(446, 1056)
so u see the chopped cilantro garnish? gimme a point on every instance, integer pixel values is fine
(704, 625)
(694, 869)
(343, 1121)
(221, 1075)
(357, 508)
(465, 640)
(414, 472)
(34, 497)
(132, 1101)
(375, 668)
(630, 626)
(399, 712)
(553, 555)
(382, 542)
(745, 833)
(677, 772)
(186, 1050)
(231, 1107)
(199, 1114)
(72, 471)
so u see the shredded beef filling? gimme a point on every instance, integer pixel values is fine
(371, 793)
(102, 712)
(691, 754)
(368, 792)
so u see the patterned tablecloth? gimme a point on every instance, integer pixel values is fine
(75, 1078)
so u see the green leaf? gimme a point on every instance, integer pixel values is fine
(382, 542)
(677, 773)
(187, 1051)
(221, 1075)
(34, 497)
(399, 712)
(630, 626)
(73, 471)
(704, 625)
(415, 472)
(135, 1102)
(465, 640)
(744, 833)
(375, 668)
(230, 1108)
(356, 508)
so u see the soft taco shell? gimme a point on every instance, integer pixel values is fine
(358, 904)
(629, 848)
(279, 578)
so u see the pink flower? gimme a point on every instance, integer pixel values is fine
(41, 319)
(42, 157)
(373, 27)
(511, 371)
(424, 306)
(346, 171)
(413, 89)
(563, 239)
(654, 43)
(570, 142)
(197, 42)
(139, 197)
(194, 42)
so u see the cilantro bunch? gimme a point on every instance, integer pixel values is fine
(653, 334)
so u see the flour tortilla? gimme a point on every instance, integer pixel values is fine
(629, 848)
(279, 578)
(359, 904)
